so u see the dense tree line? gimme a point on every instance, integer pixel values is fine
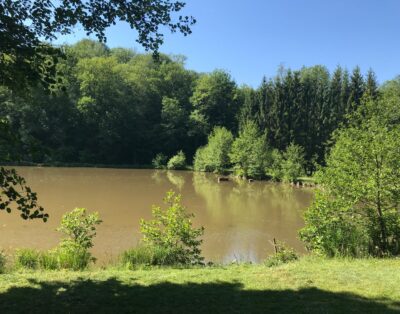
(116, 106)
(357, 212)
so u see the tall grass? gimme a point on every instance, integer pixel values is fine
(3, 261)
(56, 259)
(27, 258)
(149, 255)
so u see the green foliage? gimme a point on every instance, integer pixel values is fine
(15, 192)
(3, 262)
(172, 230)
(360, 188)
(274, 167)
(292, 163)
(283, 254)
(286, 166)
(71, 256)
(49, 260)
(25, 24)
(63, 257)
(151, 255)
(121, 107)
(214, 99)
(79, 228)
(332, 229)
(160, 161)
(73, 251)
(249, 151)
(215, 155)
(27, 258)
(177, 162)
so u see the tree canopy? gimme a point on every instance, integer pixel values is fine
(26, 24)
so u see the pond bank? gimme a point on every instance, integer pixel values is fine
(228, 173)
(310, 285)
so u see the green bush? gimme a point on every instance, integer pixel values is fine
(201, 160)
(27, 258)
(356, 211)
(249, 151)
(150, 255)
(80, 229)
(177, 162)
(3, 262)
(287, 166)
(332, 230)
(274, 167)
(283, 255)
(171, 229)
(160, 161)
(292, 163)
(215, 155)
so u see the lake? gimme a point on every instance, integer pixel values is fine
(240, 218)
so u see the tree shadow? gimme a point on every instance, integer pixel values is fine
(113, 296)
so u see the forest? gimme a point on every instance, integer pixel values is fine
(115, 106)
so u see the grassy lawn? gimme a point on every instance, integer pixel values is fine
(310, 285)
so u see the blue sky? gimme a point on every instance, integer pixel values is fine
(252, 38)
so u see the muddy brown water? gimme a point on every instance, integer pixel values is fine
(240, 218)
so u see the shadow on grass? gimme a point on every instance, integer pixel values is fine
(113, 296)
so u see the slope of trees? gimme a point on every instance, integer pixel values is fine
(116, 106)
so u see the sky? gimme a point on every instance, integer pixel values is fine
(252, 38)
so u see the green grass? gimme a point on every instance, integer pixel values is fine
(310, 285)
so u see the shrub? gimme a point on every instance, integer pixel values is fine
(171, 229)
(292, 163)
(160, 161)
(27, 258)
(201, 160)
(287, 166)
(283, 254)
(3, 261)
(177, 162)
(249, 151)
(274, 168)
(215, 155)
(333, 230)
(80, 229)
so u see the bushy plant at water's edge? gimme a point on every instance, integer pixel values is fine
(171, 229)
(283, 254)
(177, 162)
(160, 161)
(286, 166)
(249, 151)
(292, 163)
(80, 229)
(73, 251)
(214, 157)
